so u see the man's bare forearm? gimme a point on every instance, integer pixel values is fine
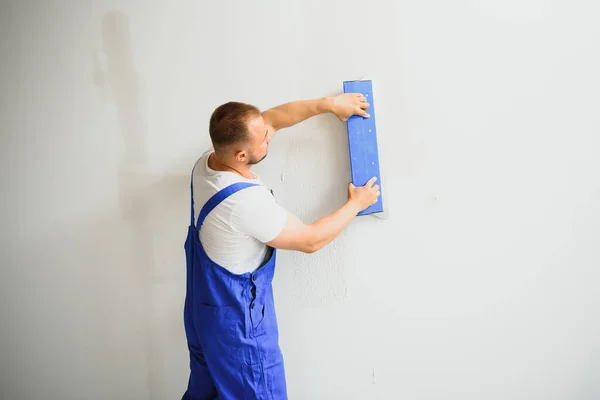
(325, 229)
(292, 113)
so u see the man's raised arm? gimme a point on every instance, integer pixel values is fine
(343, 106)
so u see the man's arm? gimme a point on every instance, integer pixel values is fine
(309, 238)
(343, 106)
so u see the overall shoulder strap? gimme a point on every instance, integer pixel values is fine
(217, 198)
(192, 198)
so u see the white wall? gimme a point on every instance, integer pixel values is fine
(488, 123)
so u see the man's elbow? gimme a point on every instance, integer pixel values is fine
(299, 237)
(309, 249)
(312, 246)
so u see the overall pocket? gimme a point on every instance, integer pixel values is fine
(257, 316)
(217, 324)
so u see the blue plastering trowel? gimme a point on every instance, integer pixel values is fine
(362, 144)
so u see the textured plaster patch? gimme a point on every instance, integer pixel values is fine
(315, 174)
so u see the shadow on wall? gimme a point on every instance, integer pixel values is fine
(143, 316)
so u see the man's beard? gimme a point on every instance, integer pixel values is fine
(253, 160)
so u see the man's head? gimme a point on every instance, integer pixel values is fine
(238, 131)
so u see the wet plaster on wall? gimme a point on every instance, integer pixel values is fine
(314, 176)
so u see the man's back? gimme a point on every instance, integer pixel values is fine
(234, 233)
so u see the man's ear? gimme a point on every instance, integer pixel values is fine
(241, 156)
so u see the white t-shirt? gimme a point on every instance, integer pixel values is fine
(235, 232)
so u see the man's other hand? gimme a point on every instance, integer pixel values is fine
(364, 196)
(348, 104)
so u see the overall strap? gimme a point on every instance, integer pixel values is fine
(192, 198)
(217, 198)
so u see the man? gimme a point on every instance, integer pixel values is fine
(236, 226)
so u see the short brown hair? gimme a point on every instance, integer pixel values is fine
(228, 123)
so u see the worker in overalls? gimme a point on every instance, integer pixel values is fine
(236, 225)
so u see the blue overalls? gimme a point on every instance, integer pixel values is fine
(230, 323)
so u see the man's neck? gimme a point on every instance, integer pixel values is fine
(218, 164)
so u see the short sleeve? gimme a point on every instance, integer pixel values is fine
(257, 214)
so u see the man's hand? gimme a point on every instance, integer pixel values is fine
(343, 106)
(364, 196)
(348, 104)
